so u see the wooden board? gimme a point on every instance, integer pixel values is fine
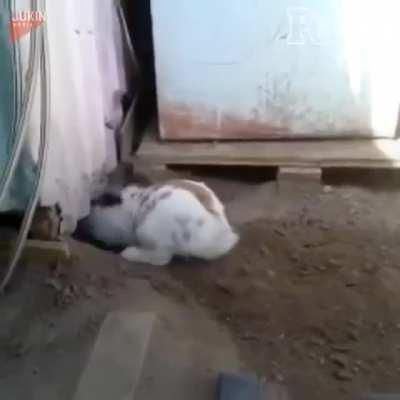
(378, 153)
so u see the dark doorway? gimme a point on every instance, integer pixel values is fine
(138, 18)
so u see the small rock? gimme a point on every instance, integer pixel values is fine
(271, 273)
(312, 356)
(67, 296)
(105, 282)
(278, 377)
(305, 210)
(250, 337)
(333, 263)
(35, 371)
(339, 359)
(304, 270)
(365, 367)
(74, 289)
(342, 348)
(309, 222)
(294, 257)
(244, 270)
(369, 268)
(54, 283)
(381, 330)
(327, 189)
(58, 270)
(356, 322)
(344, 375)
(384, 249)
(123, 268)
(353, 335)
(91, 278)
(264, 251)
(50, 338)
(280, 232)
(317, 341)
(18, 348)
(225, 288)
(88, 292)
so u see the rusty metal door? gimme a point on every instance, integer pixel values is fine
(262, 69)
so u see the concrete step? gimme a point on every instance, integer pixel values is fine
(147, 357)
(115, 365)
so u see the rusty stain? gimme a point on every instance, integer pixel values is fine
(179, 121)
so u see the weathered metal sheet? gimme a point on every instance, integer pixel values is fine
(254, 69)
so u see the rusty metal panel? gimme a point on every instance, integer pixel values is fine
(262, 69)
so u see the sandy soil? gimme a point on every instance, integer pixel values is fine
(311, 295)
(312, 292)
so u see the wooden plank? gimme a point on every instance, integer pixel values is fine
(54, 249)
(381, 397)
(378, 153)
(59, 247)
(294, 173)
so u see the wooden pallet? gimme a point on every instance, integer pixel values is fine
(374, 153)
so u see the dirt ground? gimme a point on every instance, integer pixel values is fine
(311, 295)
(312, 292)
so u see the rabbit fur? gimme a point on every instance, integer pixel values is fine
(153, 224)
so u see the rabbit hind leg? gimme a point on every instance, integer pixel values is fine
(157, 257)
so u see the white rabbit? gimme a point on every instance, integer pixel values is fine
(180, 217)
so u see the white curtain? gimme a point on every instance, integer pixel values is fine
(86, 80)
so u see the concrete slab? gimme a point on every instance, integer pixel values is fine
(115, 365)
(183, 366)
